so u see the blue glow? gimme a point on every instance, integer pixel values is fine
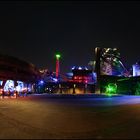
(41, 82)
(73, 68)
(1, 83)
(29, 87)
(9, 86)
(80, 68)
(20, 86)
(55, 80)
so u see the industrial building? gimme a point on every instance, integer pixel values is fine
(17, 75)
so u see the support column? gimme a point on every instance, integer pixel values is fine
(60, 88)
(74, 85)
(85, 88)
(97, 69)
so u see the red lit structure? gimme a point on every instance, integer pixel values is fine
(82, 75)
(57, 68)
(57, 65)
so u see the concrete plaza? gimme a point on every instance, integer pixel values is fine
(70, 117)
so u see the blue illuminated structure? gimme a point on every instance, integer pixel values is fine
(136, 69)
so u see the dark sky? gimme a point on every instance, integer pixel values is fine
(35, 31)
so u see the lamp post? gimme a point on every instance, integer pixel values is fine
(57, 65)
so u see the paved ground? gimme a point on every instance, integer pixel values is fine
(66, 116)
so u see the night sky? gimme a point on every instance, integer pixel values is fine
(35, 31)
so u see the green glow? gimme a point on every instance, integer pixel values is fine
(124, 79)
(58, 56)
(137, 88)
(111, 88)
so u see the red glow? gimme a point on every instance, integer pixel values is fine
(75, 77)
(57, 68)
(1, 91)
(86, 81)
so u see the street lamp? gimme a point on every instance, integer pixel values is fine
(58, 56)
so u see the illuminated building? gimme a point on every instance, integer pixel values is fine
(110, 62)
(82, 75)
(16, 74)
(136, 69)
